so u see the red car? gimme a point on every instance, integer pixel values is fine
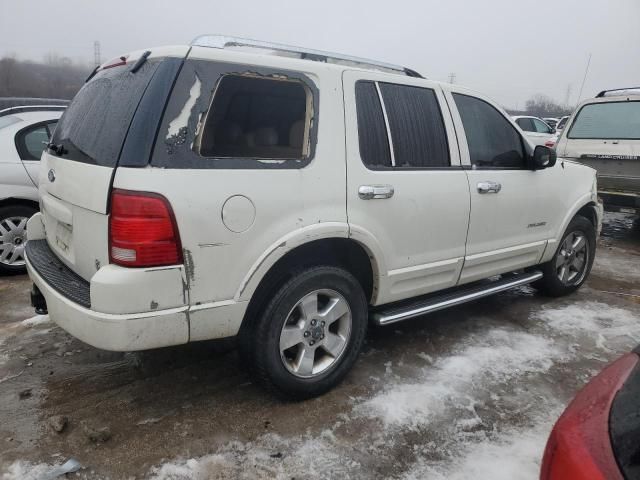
(598, 435)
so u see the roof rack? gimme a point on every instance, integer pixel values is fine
(31, 108)
(619, 92)
(222, 41)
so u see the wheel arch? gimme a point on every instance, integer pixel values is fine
(11, 201)
(585, 207)
(342, 252)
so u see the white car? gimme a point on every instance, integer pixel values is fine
(536, 130)
(200, 192)
(24, 131)
(551, 121)
(604, 133)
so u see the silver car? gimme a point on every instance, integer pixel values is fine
(24, 131)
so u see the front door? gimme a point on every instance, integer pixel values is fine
(514, 210)
(407, 195)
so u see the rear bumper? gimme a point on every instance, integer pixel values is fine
(620, 200)
(123, 309)
(117, 332)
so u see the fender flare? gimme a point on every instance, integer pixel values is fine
(552, 243)
(297, 238)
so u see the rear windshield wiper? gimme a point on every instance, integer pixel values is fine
(140, 61)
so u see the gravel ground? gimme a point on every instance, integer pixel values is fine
(471, 392)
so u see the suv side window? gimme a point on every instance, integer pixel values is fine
(372, 132)
(410, 117)
(493, 141)
(541, 127)
(526, 124)
(31, 141)
(254, 117)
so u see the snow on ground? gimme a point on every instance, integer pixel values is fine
(439, 400)
(482, 409)
(37, 320)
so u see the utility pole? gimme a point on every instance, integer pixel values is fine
(452, 77)
(96, 54)
(586, 70)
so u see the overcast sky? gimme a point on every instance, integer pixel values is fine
(507, 49)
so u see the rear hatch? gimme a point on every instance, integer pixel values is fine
(605, 135)
(112, 121)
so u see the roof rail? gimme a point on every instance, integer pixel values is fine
(620, 91)
(222, 41)
(31, 108)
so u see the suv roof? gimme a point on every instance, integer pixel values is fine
(619, 92)
(222, 42)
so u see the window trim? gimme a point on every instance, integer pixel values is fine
(577, 115)
(182, 156)
(394, 167)
(21, 145)
(471, 166)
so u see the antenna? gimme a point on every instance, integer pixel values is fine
(586, 70)
(96, 54)
(452, 77)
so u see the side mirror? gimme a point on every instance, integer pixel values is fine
(543, 157)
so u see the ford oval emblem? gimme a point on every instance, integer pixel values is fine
(52, 175)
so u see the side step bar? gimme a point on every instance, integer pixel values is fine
(446, 300)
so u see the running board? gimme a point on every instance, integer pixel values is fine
(442, 301)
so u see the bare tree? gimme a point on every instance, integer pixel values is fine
(56, 77)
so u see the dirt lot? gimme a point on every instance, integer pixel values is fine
(467, 393)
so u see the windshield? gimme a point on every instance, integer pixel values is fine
(94, 127)
(614, 120)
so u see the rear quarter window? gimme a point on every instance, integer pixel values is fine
(232, 116)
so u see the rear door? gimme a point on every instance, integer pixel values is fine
(514, 210)
(76, 172)
(606, 136)
(406, 190)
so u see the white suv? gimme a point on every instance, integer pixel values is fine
(24, 131)
(200, 192)
(604, 133)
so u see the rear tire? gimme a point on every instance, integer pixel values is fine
(571, 264)
(13, 235)
(309, 335)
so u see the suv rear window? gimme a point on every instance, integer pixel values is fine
(613, 120)
(95, 125)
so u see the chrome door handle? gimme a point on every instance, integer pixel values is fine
(372, 192)
(489, 187)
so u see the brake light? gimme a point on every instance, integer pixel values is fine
(142, 230)
(579, 446)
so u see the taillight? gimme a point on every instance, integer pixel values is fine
(142, 230)
(549, 143)
(579, 446)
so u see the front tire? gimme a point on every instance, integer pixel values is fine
(310, 334)
(13, 235)
(572, 262)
